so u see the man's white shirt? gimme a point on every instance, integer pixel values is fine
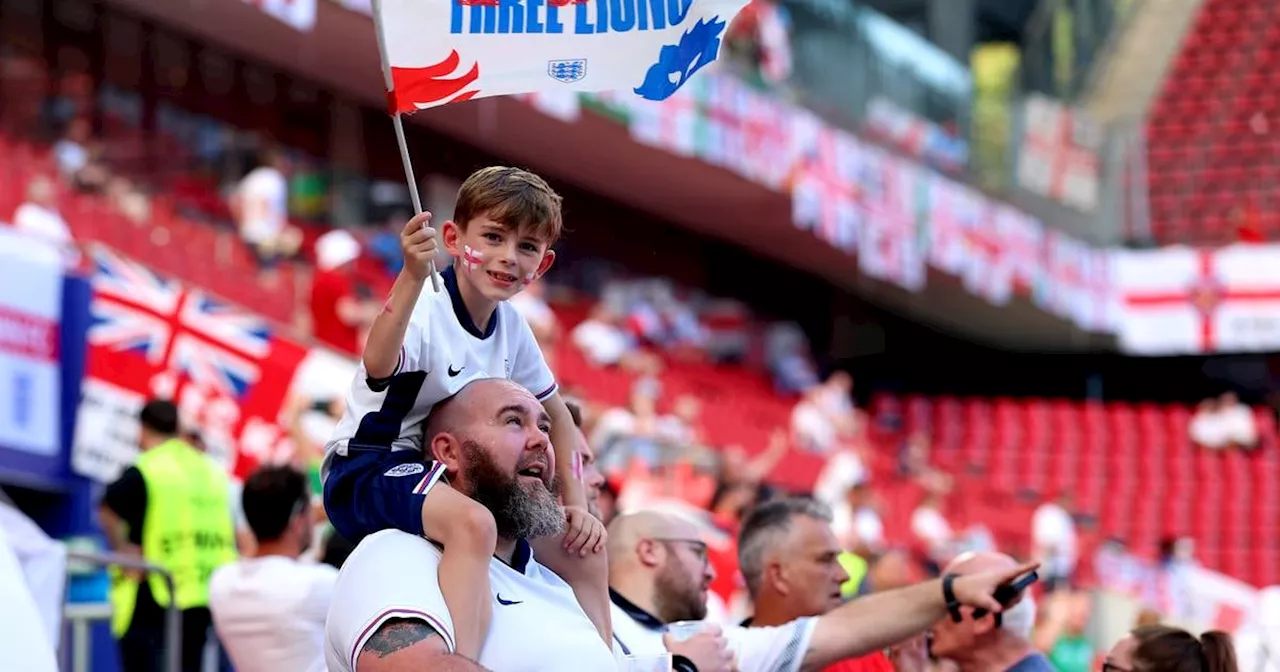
(443, 351)
(270, 612)
(537, 625)
(264, 195)
(772, 649)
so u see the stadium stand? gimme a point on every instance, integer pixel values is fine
(1209, 148)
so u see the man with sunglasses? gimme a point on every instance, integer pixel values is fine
(658, 574)
(270, 609)
(990, 642)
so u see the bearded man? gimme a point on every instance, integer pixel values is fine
(387, 612)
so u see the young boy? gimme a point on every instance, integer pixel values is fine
(422, 349)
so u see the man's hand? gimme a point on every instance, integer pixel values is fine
(978, 590)
(418, 242)
(584, 533)
(708, 650)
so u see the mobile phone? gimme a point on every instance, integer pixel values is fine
(1009, 592)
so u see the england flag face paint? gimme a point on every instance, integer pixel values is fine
(471, 258)
(529, 278)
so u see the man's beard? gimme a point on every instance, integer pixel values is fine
(519, 513)
(676, 598)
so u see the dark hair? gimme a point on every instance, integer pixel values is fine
(514, 198)
(762, 528)
(575, 411)
(272, 497)
(160, 416)
(1165, 649)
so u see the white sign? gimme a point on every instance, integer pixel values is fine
(107, 430)
(447, 51)
(30, 317)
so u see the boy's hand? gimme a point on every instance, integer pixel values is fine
(418, 242)
(583, 533)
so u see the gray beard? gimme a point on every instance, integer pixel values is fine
(518, 512)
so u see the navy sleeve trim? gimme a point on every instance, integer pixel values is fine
(547, 392)
(381, 384)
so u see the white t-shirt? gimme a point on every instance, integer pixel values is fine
(1238, 425)
(603, 344)
(537, 625)
(843, 471)
(443, 351)
(270, 613)
(776, 649)
(264, 199)
(928, 524)
(857, 526)
(1052, 527)
(43, 223)
(1208, 430)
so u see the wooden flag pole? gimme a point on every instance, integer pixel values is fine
(398, 123)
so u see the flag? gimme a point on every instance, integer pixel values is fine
(1189, 301)
(988, 271)
(446, 51)
(152, 337)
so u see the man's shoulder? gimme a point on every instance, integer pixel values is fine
(1033, 663)
(375, 549)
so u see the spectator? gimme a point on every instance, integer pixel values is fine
(339, 315)
(1160, 648)
(1061, 634)
(592, 480)
(994, 642)
(269, 610)
(172, 498)
(857, 524)
(658, 574)
(25, 634)
(261, 208)
(789, 558)
(1168, 587)
(930, 528)
(76, 158)
(1237, 422)
(533, 307)
(604, 342)
(388, 612)
(38, 216)
(1053, 532)
(41, 568)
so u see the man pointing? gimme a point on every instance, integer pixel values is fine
(658, 574)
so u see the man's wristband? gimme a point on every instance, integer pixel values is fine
(949, 596)
(680, 663)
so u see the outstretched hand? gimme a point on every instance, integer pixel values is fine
(978, 589)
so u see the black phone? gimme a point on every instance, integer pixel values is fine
(1009, 592)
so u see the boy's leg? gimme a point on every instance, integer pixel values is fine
(370, 490)
(467, 531)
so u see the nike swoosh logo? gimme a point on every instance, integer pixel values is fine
(507, 603)
(453, 372)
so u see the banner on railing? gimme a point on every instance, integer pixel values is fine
(1058, 155)
(229, 373)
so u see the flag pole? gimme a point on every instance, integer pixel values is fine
(398, 123)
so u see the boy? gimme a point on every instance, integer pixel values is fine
(418, 348)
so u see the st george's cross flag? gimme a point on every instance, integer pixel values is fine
(448, 51)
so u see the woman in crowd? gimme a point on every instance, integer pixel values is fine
(1159, 648)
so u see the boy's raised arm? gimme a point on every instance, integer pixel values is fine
(386, 335)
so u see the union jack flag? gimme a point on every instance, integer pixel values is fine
(175, 328)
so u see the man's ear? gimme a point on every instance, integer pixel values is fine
(775, 575)
(650, 553)
(982, 626)
(548, 259)
(446, 449)
(451, 236)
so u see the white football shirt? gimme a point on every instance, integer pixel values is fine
(775, 649)
(443, 351)
(270, 612)
(537, 625)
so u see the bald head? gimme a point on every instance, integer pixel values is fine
(1018, 619)
(479, 401)
(629, 529)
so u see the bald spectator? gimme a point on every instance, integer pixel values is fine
(592, 480)
(790, 560)
(658, 574)
(996, 641)
(388, 613)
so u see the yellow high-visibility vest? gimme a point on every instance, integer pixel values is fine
(188, 529)
(856, 567)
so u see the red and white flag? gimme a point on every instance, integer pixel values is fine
(300, 14)
(1187, 301)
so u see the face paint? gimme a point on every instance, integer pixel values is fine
(577, 466)
(471, 258)
(529, 278)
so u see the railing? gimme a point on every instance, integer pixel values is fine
(1064, 39)
(79, 616)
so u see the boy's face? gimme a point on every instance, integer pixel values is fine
(497, 259)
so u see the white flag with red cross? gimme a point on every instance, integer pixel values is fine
(1188, 301)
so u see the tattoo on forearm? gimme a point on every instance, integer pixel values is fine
(397, 634)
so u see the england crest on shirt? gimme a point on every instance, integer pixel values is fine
(567, 71)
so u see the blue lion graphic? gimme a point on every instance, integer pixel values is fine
(698, 47)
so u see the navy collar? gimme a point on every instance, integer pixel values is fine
(460, 307)
(637, 614)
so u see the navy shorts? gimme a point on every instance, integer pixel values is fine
(373, 489)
